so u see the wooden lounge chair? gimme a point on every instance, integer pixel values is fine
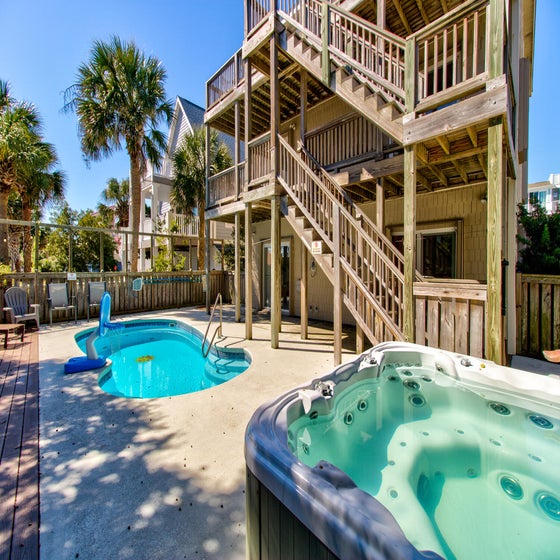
(94, 295)
(17, 308)
(60, 301)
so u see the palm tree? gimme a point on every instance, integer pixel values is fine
(119, 98)
(42, 188)
(115, 201)
(189, 170)
(26, 163)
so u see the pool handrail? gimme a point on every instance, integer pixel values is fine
(218, 329)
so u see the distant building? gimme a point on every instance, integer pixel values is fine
(546, 193)
(159, 214)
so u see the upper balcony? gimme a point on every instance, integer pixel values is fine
(428, 59)
(422, 61)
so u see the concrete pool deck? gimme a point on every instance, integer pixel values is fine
(156, 478)
(161, 478)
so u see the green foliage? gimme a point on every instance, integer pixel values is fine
(229, 251)
(164, 261)
(119, 99)
(540, 240)
(189, 168)
(85, 244)
(115, 198)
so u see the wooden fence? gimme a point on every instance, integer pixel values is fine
(538, 304)
(160, 290)
(451, 316)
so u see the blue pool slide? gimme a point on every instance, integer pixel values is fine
(93, 360)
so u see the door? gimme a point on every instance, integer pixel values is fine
(285, 275)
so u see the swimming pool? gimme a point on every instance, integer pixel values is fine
(409, 452)
(161, 358)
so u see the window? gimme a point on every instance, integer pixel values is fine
(437, 251)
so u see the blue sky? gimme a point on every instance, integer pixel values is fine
(43, 42)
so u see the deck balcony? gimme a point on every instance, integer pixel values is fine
(436, 87)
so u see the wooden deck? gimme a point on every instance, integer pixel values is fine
(19, 456)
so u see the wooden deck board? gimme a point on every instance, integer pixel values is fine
(19, 457)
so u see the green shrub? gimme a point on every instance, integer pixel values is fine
(539, 238)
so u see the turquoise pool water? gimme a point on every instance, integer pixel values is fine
(467, 471)
(162, 358)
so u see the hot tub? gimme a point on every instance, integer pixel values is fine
(408, 452)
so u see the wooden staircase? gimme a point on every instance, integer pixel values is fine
(371, 269)
(375, 88)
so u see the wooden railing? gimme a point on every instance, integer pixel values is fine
(226, 79)
(372, 285)
(375, 54)
(161, 290)
(346, 140)
(452, 52)
(367, 226)
(259, 160)
(538, 298)
(255, 12)
(221, 187)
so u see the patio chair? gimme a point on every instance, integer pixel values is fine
(94, 295)
(60, 301)
(17, 308)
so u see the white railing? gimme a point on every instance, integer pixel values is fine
(180, 224)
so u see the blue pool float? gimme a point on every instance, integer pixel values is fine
(93, 360)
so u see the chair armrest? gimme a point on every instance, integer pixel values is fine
(11, 315)
(35, 305)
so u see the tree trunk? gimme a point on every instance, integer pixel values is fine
(201, 239)
(4, 252)
(135, 196)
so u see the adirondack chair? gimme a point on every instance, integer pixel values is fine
(60, 301)
(94, 295)
(17, 308)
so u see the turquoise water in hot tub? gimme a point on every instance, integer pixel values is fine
(160, 359)
(464, 472)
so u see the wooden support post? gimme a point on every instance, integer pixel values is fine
(237, 149)
(237, 268)
(325, 55)
(206, 223)
(304, 312)
(410, 75)
(275, 272)
(248, 271)
(496, 177)
(337, 295)
(248, 122)
(359, 340)
(70, 250)
(274, 108)
(510, 276)
(303, 106)
(380, 205)
(36, 287)
(409, 241)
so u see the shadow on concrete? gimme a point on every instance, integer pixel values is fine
(114, 485)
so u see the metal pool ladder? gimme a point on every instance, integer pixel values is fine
(218, 329)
